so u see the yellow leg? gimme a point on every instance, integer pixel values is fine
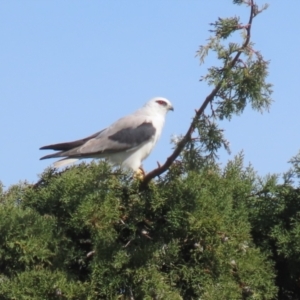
(139, 174)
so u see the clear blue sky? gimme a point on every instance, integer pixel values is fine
(70, 68)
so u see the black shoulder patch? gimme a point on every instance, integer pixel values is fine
(134, 136)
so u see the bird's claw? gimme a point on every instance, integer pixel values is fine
(139, 174)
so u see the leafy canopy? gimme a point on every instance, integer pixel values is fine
(190, 230)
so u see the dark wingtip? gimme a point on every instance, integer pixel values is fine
(69, 145)
(44, 148)
(47, 156)
(52, 147)
(59, 147)
(53, 155)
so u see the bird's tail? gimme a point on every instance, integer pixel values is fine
(64, 162)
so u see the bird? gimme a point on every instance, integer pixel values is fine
(126, 142)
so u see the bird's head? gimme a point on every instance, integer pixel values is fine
(160, 104)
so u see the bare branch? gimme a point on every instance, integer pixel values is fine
(187, 137)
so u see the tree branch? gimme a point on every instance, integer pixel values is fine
(180, 146)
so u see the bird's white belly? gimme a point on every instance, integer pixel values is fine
(132, 159)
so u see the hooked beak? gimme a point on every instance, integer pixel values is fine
(171, 108)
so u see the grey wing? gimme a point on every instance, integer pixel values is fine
(124, 135)
(70, 145)
(67, 146)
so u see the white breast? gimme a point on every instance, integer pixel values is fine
(133, 158)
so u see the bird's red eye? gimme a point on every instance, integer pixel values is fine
(161, 102)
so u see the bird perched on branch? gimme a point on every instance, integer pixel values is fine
(127, 142)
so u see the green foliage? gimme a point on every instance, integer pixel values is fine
(89, 233)
(274, 213)
(223, 28)
(37, 284)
